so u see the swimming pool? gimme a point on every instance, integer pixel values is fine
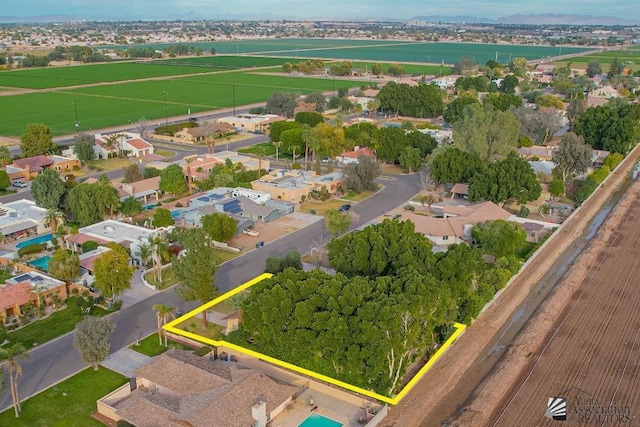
(315, 420)
(40, 239)
(41, 263)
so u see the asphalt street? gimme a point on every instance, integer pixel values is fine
(58, 359)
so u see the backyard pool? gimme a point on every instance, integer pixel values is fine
(315, 420)
(41, 263)
(40, 239)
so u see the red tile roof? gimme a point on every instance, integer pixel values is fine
(139, 144)
(19, 294)
(35, 163)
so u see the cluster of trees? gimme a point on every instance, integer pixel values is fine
(341, 69)
(395, 70)
(511, 178)
(612, 127)
(142, 52)
(312, 66)
(414, 101)
(84, 54)
(391, 302)
(182, 50)
(455, 110)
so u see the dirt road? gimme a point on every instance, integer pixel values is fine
(453, 380)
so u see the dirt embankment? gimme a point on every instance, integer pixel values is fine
(425, 403)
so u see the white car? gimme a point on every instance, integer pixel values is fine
(19, 183)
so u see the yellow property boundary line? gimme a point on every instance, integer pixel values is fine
(171, 327)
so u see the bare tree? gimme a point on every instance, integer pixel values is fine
(428, 183)
(142, 126)
(319, 255)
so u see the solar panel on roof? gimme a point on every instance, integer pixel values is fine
(22, 278)
(235, 210)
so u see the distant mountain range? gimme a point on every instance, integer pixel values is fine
(537, 19)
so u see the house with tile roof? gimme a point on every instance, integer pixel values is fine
(30, 167)
(178, 389)
(453, 223)
(254, 123)
(348, 157)
(201, 133)
(129, 143)
(143, 190)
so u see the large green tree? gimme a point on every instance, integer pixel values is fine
(131, 206)
(337, 222)
(310, 118)
(277, 128)
(92, 339)
(455, 109)
(112, 271)
(196, 268)
(573, 156)
(88, 203)
(37, 140)
(5, 156)
(499, 238)
(64, 265)
(5, 182)
(361, 175)
(48, 189)
(452, 165)
(381, 250)
(511, 178)
(219, 227)
(486, 131)
(172, 180)
(614, 127)
(413, 101)
(282, 104)
(162, 218)
(84, 148)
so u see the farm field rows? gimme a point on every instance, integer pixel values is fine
(52, 77)
(447, 53)
(629, 57)
(104, 106)
(592, 358)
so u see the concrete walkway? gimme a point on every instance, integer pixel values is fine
(125, 361)
(138, 292)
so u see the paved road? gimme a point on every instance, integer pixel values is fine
(58, 359)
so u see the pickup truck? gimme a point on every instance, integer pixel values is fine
(251, 232)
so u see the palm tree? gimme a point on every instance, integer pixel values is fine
(144, 252)
(260, 152)
(188, 161)
(277, 144)
(53, 217)
(158, 248)
(211, 143)
(109, 144)
(13, 355)
(163, 312)
(37, 289)
(307, 135)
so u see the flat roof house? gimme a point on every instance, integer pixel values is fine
(252, 122)
(28, 287)
(21, 218)
(291, 185)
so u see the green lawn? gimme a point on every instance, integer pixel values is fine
(150, 346)
(226, 255)
(194, 325)
(164, 153)
(267, 148)
(59, 323)
(68, 404)
(168, 278)
(358, 197)
(320, 207)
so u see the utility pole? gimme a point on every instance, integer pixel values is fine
(166, 116)
(75, 109)
(233, 91)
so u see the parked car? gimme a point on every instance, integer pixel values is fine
(344, 208)
(250, 231)
(19, 183)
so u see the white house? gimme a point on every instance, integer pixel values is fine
(130, 143)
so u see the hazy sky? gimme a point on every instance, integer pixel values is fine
(166, 9)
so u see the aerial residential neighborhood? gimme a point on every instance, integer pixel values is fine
(277, 222)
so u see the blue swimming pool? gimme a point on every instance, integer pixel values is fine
(175, 214)
(40, 239)
(315, 420)
(41, 263)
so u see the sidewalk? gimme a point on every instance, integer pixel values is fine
(125, 361)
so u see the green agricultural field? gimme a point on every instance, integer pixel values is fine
(625, 56)
(52, 77)
(447, 53)
(104, 106)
